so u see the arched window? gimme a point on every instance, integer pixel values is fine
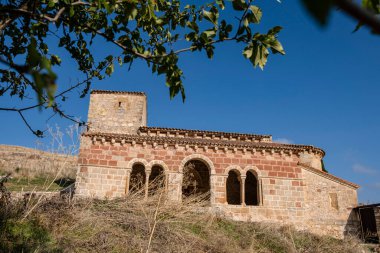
(137, 179)
(251, 190)
(156, 179)
(233, 188)
(196, 178)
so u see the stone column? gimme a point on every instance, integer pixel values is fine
(242, 190)
(212, 189)
(166, 183)
(127, 179)
(147, 174)
(260, 197)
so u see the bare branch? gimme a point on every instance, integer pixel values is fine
(55, 19)
(37, 133)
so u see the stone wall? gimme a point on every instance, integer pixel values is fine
(329, 205)
(117, 112)
(288, 193)
(289, 186)
(31, 162)
(219, 161)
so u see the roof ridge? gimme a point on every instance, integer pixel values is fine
(118, 92)
(200, 131)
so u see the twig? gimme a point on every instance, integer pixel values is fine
(155, 223)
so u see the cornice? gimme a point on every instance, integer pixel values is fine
(203, 143)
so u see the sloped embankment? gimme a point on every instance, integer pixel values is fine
(23, 161)
(133, 225)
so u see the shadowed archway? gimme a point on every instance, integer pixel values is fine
(156, 179)
(196, 179)
(251, 189)
(137, 178)
(233, 188)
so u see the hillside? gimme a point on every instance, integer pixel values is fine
(28, 161)
(132, 225)
(34, 169)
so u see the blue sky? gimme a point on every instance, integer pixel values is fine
(323, 92)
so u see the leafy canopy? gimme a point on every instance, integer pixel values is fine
(154, 31)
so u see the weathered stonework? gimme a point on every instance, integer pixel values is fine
(377, 217)
(249, 177)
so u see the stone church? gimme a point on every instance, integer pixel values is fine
(248, 177)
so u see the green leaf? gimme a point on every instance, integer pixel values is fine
(277, 47)
(71, 12)
(55, 60)
(210, 52)
(275, 30)
(33, 58)
(320, 9)
(245, 22)
(110, 69)
(193, 26)
(210, 16)
(52, 3)
(248, 51)
(256, 14)
(239, 5)
(210, 33)
(220, 3)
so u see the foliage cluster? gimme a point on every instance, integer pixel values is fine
(154, 31)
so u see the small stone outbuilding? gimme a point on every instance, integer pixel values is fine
(248, 177)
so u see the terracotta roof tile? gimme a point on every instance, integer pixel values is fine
(164, 129)
(207, 142)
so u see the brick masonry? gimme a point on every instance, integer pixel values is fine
(291, 187)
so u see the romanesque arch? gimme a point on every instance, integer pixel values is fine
(252, 186)
(157, 179)
(254, 170)
(137, 161)
(137, 178)
(196, 170)
(159, 163)
(236, 168)
(200, 157)
(233, 187)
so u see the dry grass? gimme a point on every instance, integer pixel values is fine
(55, 157)
(156, 225)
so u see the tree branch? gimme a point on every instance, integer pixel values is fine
(359, 13)
(37, 133)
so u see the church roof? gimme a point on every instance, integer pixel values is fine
(205, 142)
(205, 133)
(117, 92)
